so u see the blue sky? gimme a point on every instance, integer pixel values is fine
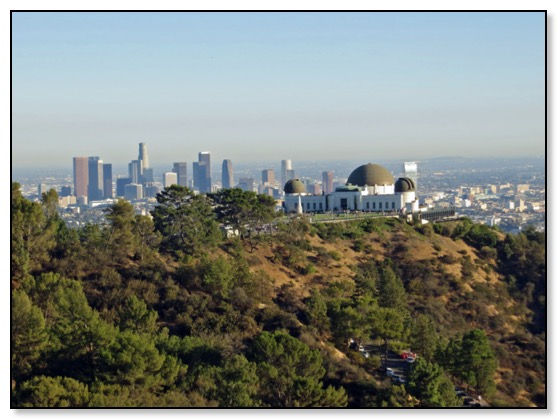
(271, 86)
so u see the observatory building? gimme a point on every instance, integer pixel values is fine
(369, 188)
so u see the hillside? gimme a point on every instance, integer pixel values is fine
(135, 314)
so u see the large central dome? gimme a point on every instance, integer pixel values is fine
(371, 174)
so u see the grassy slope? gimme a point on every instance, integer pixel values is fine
(501, 318)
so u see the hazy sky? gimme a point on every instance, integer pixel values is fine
(271, 86)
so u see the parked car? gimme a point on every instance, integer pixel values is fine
(407, 354)
(410, 360)
(390, 372)
(400, 380)
(365, 354)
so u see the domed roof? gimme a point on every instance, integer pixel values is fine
(405, 184)
(370, 174)
(347, 188)
(294, 186)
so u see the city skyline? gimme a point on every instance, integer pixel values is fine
(254, 86)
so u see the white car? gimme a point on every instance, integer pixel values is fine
(390, 372)
(365, 354)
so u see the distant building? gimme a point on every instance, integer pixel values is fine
(246, 184)
(370, 188)
(80, 175)
(522, 188)
(290, 174)
(107, 181)
(170, 178)
(65, 191)
(96, 180)
(285, 166)
(64, 201)
(204, 172)
(143, 158)
(268, 176)
(134, 171)
(227, 174)
(181, 170)
(133, 191)
(151, 190)
(315, 189)
(411, 171)
(41, 189)
(121, 182)
(328, 182)
(266, 190)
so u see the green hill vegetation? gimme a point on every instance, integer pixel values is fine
(169, 312)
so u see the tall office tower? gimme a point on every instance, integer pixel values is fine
(268, 176)
(133, 191)
(134, 171)
(170, 178)
(142, 157)
(290, 174)
(95, 187)
(227, 174)
(328, 182)
(147, 175)
(181, 170)
(246, 184)
(203, 177)
(205, 180)
(195, 175)
(411, 171)
(80, 176)
(107, 181)
(121, 183)
(285, 165)
(42, 188)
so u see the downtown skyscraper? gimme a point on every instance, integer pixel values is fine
(227, 174)
(285, 167)
(181, 170)
(145, 171)
(202, 172)
(95, 187)
(80, 176)
(328, 182)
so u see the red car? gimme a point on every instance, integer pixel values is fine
(405, 355)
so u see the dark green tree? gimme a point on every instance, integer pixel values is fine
(148, 239)
(134, 315)
(316, 310)
(428, 383)
(290, 373)
(121, 238)
(49, 200)
(423, 336)
(478, 361)
(32, 235)
(244, 211)
(54, 392)
(29, 336)
(391, 289)
(185, 220)
(234, 384)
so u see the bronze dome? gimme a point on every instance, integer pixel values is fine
(294, 186)
(405, 184)
(370, 175)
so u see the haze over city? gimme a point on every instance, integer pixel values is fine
(269, 86)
